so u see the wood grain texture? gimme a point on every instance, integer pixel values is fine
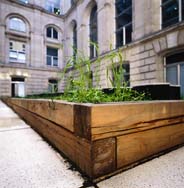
(137, 146)
(82, 121)
(60, 113)
(118, 119)
(104, 156)
(76, 149)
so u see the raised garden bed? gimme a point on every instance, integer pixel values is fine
(102, 139)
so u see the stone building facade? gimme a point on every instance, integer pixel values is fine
(149, 33)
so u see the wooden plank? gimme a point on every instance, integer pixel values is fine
(58, 112)
(104, 156)
(137, 128)
(82, 121)
(111, 120)
(137, 146)
(76, 149)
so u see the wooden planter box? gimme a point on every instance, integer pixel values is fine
(103, 139)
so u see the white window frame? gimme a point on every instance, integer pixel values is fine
(17, 53)
(52, 33)
(14, 21)
(53, 58)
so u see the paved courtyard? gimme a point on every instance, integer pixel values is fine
(27, 161)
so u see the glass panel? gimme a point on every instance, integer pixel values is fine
(17, 24)
(124, 18)
(93, 32)
(170, 12)
(49, 60)
(55, 61)
(171, 74)
(13, 55)
(52, 51)
(49, 32)
(128, 33)
(122, 5)
(55, 34)
(21, 57)
(119, 38)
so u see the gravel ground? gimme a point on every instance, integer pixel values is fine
(166, 171)
(27, 161)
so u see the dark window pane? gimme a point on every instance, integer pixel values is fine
(93, 32)
(171, 75)
(124, 18)
(123, 22)
(122, 5)
(49, 60)
(128, 33)
(124, 73)
(52, 51)
(49, 32)
(178, 57)
(17, 79)
(75, 40)
(55, 34)
(170, 12)
(119, 38)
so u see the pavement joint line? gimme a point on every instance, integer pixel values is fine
(14, 129)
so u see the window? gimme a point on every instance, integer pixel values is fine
(17, 24)
(53, 6)
(52, 33)
(17, 52)
(93, 32)
(17, 87)
(52, 56)
(125, 71)
(53, 86)
(172, 12)
(175, 70)
(74, 40)
(123, 22)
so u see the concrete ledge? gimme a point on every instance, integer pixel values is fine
(101, 139)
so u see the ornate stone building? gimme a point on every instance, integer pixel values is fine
(36, 39)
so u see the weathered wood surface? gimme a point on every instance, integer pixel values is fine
(103, 139)
(104, 156)
(137, 146)
(76, 149)
(119, 119)
(94, 158)
(57, 112)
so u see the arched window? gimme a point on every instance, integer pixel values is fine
(75, 40)
(52, 33)
(17, 24)
(93, 32)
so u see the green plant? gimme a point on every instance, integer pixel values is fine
(79, 81)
